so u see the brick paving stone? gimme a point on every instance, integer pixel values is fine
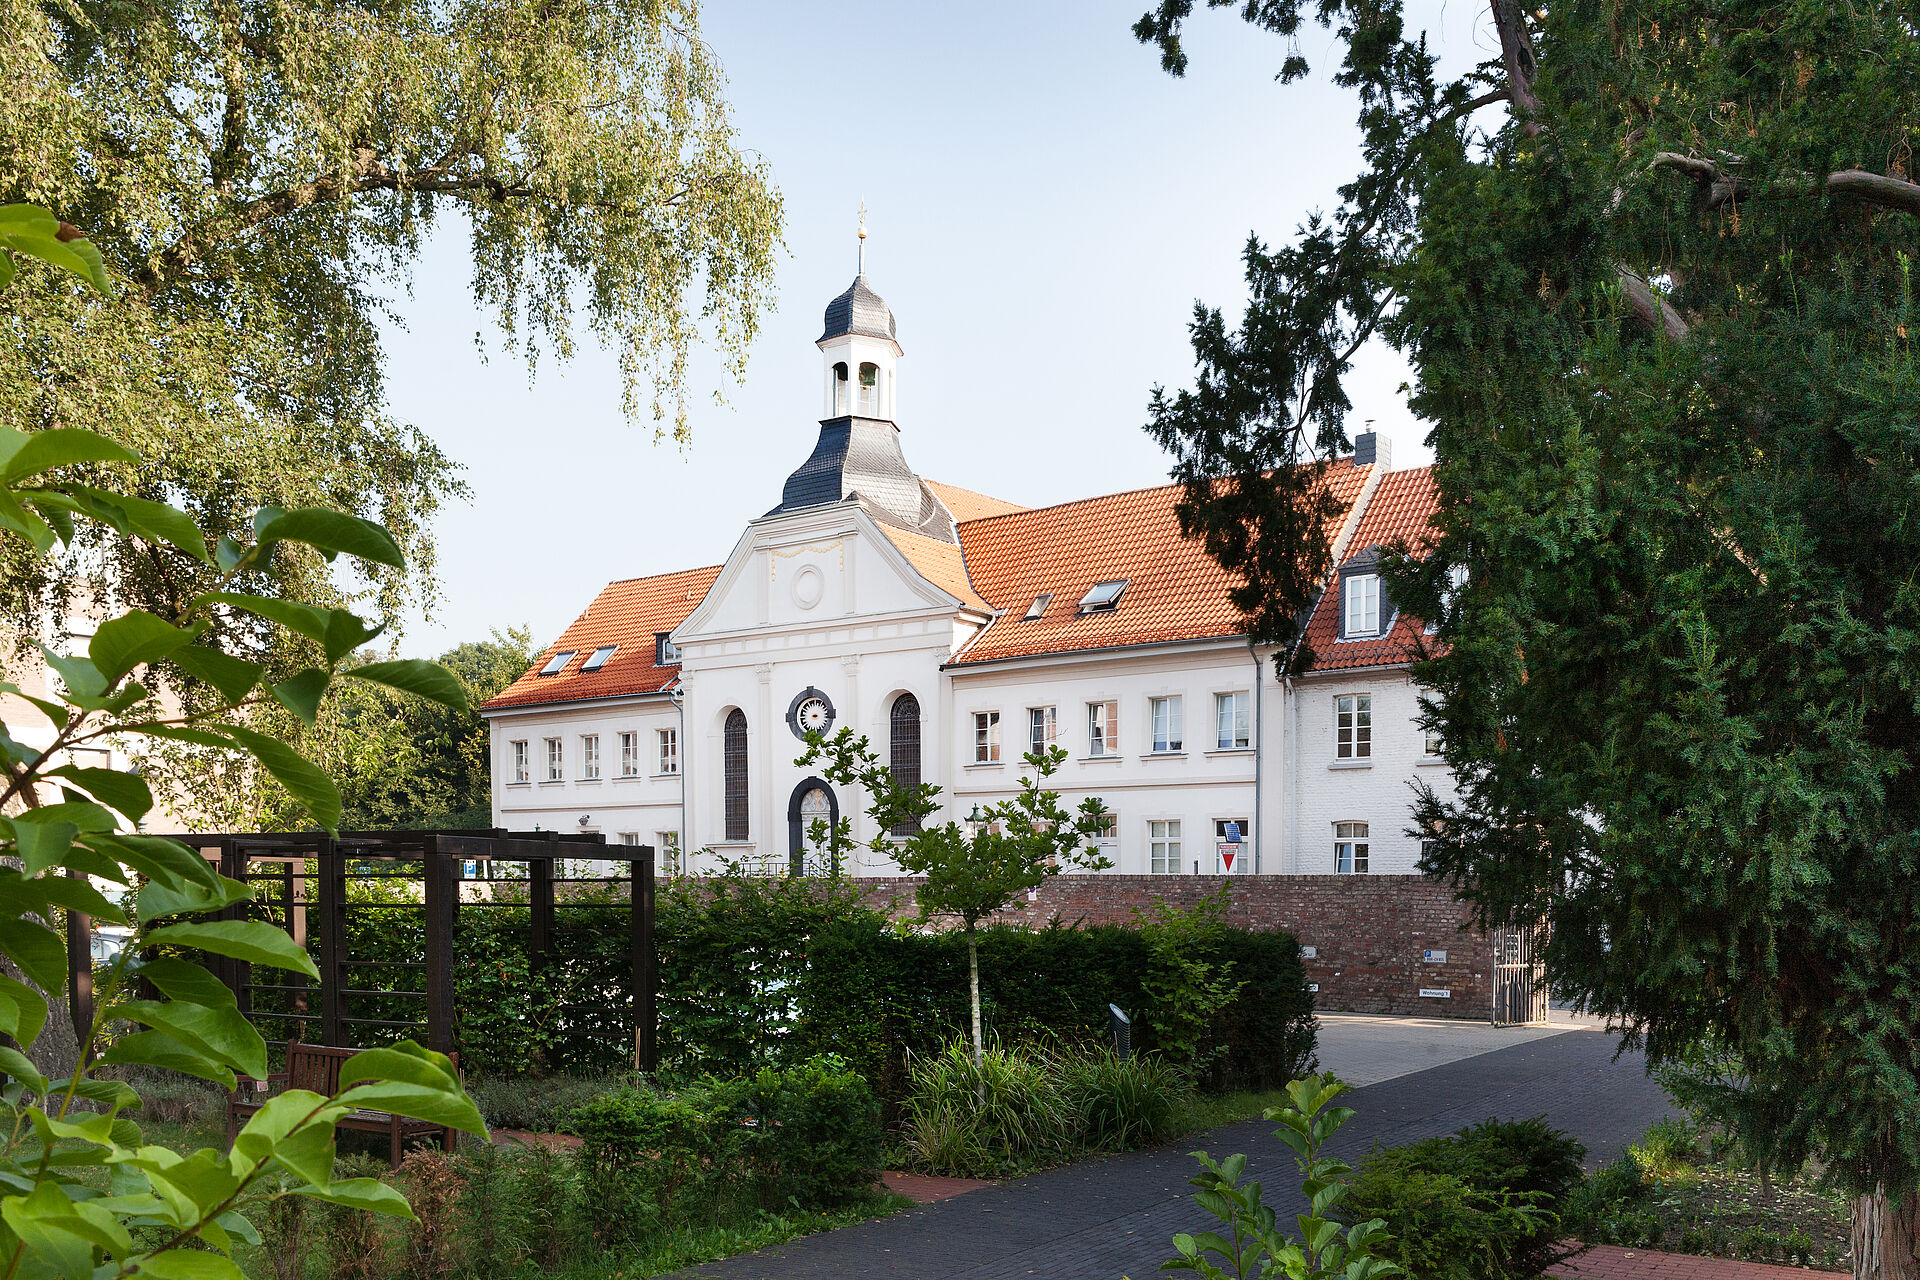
(1608, 1262)
(1109, 1217)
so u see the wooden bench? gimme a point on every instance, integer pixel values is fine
(317, 1067)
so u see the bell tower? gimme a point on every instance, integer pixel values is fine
(858, 349)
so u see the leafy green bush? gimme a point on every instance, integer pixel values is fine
(1481, 1204)
(1614, 1206)
(638, 1153)
(807, 1136)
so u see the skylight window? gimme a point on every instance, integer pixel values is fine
(1039, 606)
(1103, 596)
(558, 661)
(598, 658)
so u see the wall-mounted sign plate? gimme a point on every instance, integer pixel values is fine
(1313, 986)
(1432, 956)
(1436, 993)
(1309, 953)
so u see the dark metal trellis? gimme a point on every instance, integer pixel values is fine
(313, 908)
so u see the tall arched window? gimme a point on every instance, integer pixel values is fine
(839, 388)
(869, 390)
(903, 754)
(733, 758)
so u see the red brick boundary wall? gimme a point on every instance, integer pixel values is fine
(1372, 944)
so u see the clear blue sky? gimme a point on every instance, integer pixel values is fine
(1045, 205)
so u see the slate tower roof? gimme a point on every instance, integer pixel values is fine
(859, 311)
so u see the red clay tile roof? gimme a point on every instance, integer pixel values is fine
(939, 563)
(1174, 591)
(626, 613)
(966, 505)
(1397, 513)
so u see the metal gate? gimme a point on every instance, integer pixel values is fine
(1519, 975)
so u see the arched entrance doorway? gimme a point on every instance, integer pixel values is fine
(812, 800)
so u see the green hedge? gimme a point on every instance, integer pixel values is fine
(759, 972)
(874, 995)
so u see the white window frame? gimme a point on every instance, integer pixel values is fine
(1232, 720)
(1353, 726)
(1361, 592)
(1103, 729)
(1166, 847)
(1352, 848)
(1043, 728)
(1167, 720)
(630, 753)
(667, 743)
(1242, 859)
(556, 759)
(522, 761)
(986, 737)
(1433, 745)
(666, 851)
(598, 658)
(589, 757)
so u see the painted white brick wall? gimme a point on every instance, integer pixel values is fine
(1380, 794)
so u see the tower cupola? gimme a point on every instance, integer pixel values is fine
(860, 348)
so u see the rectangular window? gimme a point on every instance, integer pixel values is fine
(1043, 726)
(629, 755)
(1163, 847)
(1353, 726)
(1108, 832)
(520, 761)
(558, 661)
(556, 760)
(665, 652)
(1231, 721)
(1435, 745)
(986, 737)
(1169, 723)
(669, 750)
(629, 837)
(1350, 848)
(1363, 605)
(598, 658)
(589, 755)
(1103, 596)
(666, 852)
(1039, 606)
(1103, 728)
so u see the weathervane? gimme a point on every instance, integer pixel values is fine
(863, 237)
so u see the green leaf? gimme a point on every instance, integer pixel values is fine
(254, 941)
(14, 515)
(184, 980)
(181, 733)
(157, 858)
(308, 1151)
(302, 619)
(406, 1062)
(222, 1033)
(347, 632)
(20, 894)
(190, 1264)
(62, 447)
(332, 532)
(29, 1012)
(82, 677)
(302, 693)
(156, 900)
(302, 779)
(233, 677)
(139, 517)
(15, 1064)
(38, 950)
(418, 1102)
(63, 1232)
(417, 676)
(281, 1121)
(43, 844)
(133, 639)
(368, 1194)
(158, 1049)
(127, 792)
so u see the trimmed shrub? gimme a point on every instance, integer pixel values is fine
(1483, 1204)
(808, 1135)
(638, 1151)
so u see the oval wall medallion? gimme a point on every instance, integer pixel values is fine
(808, 586)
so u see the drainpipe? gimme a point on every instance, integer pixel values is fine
(1259, 754)
(677, 698)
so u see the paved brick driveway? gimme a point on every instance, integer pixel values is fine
(1102, 1219)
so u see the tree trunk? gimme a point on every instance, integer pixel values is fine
(1886, 1238)
(973, 991)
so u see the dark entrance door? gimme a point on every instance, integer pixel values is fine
(813, 800)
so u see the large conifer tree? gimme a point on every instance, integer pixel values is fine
(1653, 266)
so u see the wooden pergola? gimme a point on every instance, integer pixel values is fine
(313, 907)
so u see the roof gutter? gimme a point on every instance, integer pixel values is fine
(1057, 657)
(571, 704)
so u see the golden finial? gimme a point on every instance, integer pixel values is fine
(863, 237)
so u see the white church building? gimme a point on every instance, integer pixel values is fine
(958, 632)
